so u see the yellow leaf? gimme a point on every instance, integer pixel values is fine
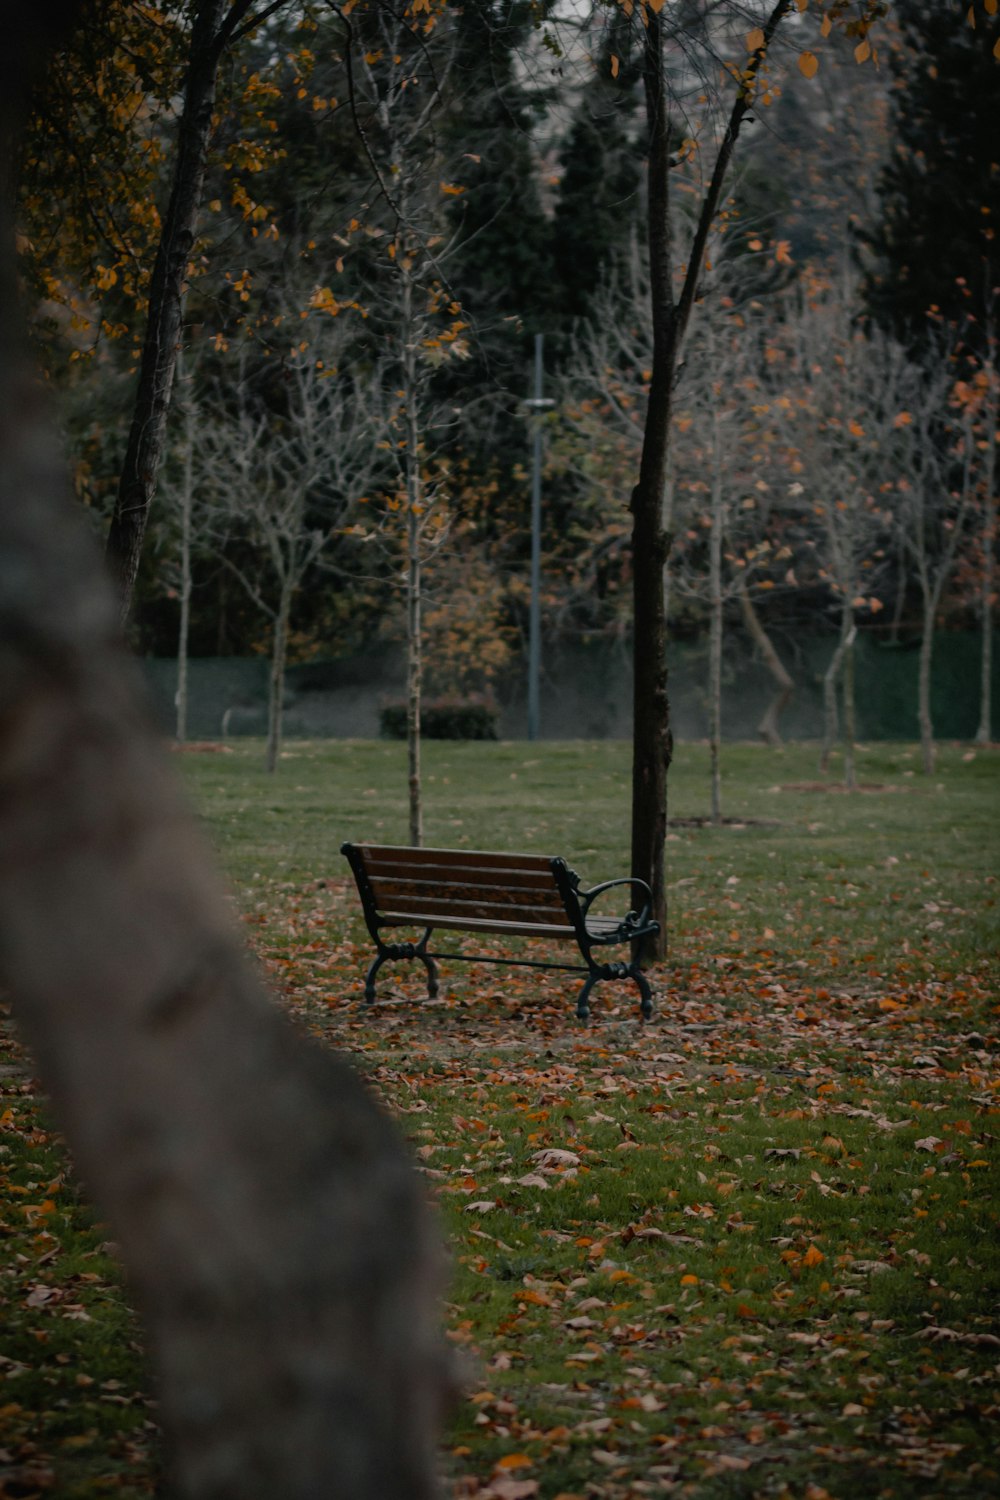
(689, 1280)
(372, 57)
(452, 189)
(515, 1461)
(808, 63)
(755, 39)
(813, 1257)
(826, 27)
(996, 49)
(990, 7)
(656, 6)
(863, 51)
(615, 65)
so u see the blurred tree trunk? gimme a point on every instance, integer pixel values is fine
(276, 1238)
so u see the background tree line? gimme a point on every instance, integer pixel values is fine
(455, 180)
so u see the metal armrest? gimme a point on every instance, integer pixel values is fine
(631, 918)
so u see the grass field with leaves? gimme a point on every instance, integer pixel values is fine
(749, 1248)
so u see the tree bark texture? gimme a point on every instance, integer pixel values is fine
(137, 482)
(276, 1237)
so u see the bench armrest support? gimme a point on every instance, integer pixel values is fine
(586, 897)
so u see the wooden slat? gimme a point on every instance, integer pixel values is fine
(399, 854)
(388, 891)
(432, 877)
(475, 924)
(442, 909)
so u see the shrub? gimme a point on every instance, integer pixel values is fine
(471, 718)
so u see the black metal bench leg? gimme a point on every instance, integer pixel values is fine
(373, 969)
(432, 974)
(583, 999)
(645, 993)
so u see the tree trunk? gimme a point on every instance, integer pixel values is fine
(652, 744)
(769, 726)
(274, 1233)
(137, 482)
(831, 718)
(276, 686)
(414, 571)
(984, 734)
(924, 691)
(652, 741)
(850, 732)
(715, 624)
(184, 590)
(414, 680)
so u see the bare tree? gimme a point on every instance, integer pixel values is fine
(281, 472)
(274, 1232)
(844, 385)
(397, 74)
(935, 508)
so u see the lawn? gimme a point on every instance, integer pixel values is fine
(749, 1248)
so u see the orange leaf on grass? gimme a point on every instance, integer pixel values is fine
(515, 1461)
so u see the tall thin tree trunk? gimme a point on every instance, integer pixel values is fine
(991, 421)
(137, 482)
(414, 571)
(276, 685)
(924, 718)
(831, 678)
(769, 726)
(850, 721)
(652, 739)
(652, 742)
(414, 679)
(184, 626)
(715, 622)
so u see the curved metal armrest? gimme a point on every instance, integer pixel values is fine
(586, 897)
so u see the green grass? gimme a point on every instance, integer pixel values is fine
(764, 1260)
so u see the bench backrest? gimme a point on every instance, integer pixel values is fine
(514, 891)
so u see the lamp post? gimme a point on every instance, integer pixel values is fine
(536, 405)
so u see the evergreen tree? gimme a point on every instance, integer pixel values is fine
(600, 200)
(935, 246)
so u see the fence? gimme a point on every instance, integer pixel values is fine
(587, 690)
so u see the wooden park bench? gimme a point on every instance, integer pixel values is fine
(510, 895)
